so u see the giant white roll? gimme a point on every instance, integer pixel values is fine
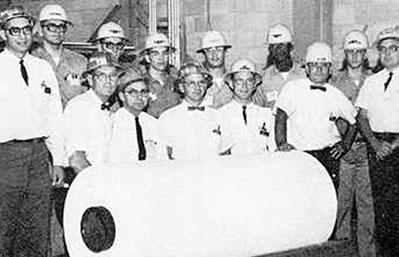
(224, 207)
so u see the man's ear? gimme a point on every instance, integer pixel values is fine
(89, 79)
(121, 96)
(3, 35)
(147, 57)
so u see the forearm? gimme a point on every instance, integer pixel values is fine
(364, 126)
(349, 136)
(280, 128)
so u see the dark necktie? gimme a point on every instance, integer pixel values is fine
(24, 73)
(140, 141)
(196, 108)
(388, 81)
(318, 88)
(244, 113)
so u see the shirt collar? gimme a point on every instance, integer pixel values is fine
(13, 57)
(94, 99)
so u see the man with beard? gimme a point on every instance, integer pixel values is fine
(280, 66)
(214, 48)
(354, 193)
(134, 133)
(378, 103)
(191, 130)
(68, 65)
(161, 80)
(307, 110)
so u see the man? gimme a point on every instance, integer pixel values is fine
(135, 133)
(111, 39)
(161, 80)
(354, 187)
(67, 65)
(87, 122)
(214, 49)
(30, 108)
(378, 104)
(280, 65)
(246, 127)
(307, 110)
(191, 130)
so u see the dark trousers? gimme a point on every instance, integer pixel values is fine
(331, 164)
(59, 197)
(384, 178)
(25, 190)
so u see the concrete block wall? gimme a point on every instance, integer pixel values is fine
(243, 23)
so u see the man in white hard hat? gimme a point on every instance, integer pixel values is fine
(354, 192)
(191, 130)
(30, 110)
(246, 127)
(156, 53)
(134, 132)
(280, 65)
(68, 65)
(378, 103)
(307, 110)
(214, 49)
(87, 121)
(111, 39)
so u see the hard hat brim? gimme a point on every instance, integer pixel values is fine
(201, 50)
(142, 51)
(25, 15)
(229, 77)
(117, 66)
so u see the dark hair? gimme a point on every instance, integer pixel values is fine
(270, 60)
(365, 65)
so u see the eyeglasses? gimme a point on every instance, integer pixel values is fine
(323, 66)
(136, 93)
(202, 83)
(16, 31)
(240, 82)
(55, 28)
(355, 51)
(103, 76)
(214, 49)
(391, 49)
(113, 46)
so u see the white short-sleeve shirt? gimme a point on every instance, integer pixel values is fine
(382, 105)
(124, 146)
(312, 114)
(192, 134)
(86, 127)
(253, 137)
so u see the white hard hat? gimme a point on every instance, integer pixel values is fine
(278, 34)
(213, 39)
(243, 65)
(53, 12)
(157, 40)
(13, 12)
(110, 29)
(355, 39)
(98, 60)
(388, 33)
(318, 52)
